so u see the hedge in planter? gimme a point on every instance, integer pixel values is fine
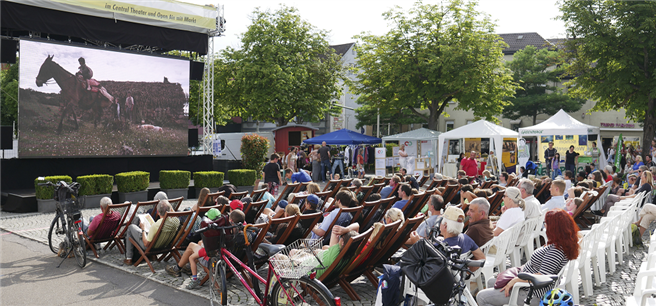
(95, 184)
(48, 192)
(209, 179)
(132, 181)
(174, 179)
(242, 177)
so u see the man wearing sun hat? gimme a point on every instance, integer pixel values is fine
(453, 222)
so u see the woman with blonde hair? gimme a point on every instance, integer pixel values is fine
(392, 215)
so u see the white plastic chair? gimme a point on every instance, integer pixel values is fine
(514, 293)
(597, 255)
(569, 279)
(498, 259)
(645, 286)
(526, 238)
(585, 252)
(539, 231)
(610, 237)
(512, 244)
(477, 275)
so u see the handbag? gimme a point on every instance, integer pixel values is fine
(504, 277)
(427, 267)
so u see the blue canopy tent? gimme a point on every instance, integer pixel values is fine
(343, 137)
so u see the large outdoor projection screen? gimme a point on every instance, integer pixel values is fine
(137, 109)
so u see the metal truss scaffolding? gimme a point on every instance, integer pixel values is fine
(208, 84)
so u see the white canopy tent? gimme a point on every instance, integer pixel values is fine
(478, 129)
(563, 124)
(422, 134)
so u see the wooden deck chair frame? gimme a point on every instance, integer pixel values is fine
(578, 213)
(369, 209)
(315, 217)
(544, 187)
(284, 194)
(257, 195)
(366, 192)
(177, 246)
(175, 203)
(345, 183)
(164, 251)
(495, 202)
(214, 195)
(291, 223)
(452, 191)
(417, 204)
(352, 188)
(486, 185)
(259, 206)
(332, 184)
(238, 195)
(349, 251)
(118, 240)
(91, 240)
(297, 200)
(423, 180)
(434, 184)
(355, 213)
(376, 180)
(378, 187)
(376, 241)
(324, 195)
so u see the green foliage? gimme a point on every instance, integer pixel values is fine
(284, 69)
(48, 192)
(9, 95)
(389, 149)
(174, 179)
(132, 181)
(95, 184)
(209, 179)
(538, 72)
(614, 57)
(254, 149)
(367, 114)
(242, 177)
(433, 55)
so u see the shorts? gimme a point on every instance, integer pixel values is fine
(204, 261)
(273, 188)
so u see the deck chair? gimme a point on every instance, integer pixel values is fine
(175, 203)
(355, 214)
(347, 254)
(299, 199)
(423, 180)
(179, 245)
(289, 188)
(366, 192)
(378, 187)
(257, 195)
(495, 202)
(345, 183)
(407, 204)
(376, 180)
(375, 245)
(140, 208)
(214, 195)
(238, 195)
(579, 213)
(309, 221)
(413, 207)
(106, 230)
(369, 209)
(450, 192)
(162, 244)
(324, 195)
(303, 187)
(332, 184)
(544, 187)
(434, 184)
(254, 210)
(393, 244)
(291, 223)
(352, 188)
(486, 185)
(385, 204)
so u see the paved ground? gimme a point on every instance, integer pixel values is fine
(35, 226)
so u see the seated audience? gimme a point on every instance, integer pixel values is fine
(557, 201)
(513, 210)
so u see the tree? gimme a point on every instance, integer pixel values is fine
(613, 53)
(433, 55)
(538, 72)
(368, 115)
(284, 69)
(9, 95)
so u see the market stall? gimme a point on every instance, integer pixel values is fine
(421, 145)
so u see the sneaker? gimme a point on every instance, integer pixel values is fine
(186, 269)
(171, 270)
(193, 284)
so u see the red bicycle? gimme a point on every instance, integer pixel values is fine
(294, 268)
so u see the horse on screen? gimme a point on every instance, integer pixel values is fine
(74, 92)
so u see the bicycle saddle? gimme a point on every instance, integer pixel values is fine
(538, 281)
(271, 249)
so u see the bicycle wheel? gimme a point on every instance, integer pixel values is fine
(218, 287)
(303, 291)
(56, 235)
(79, 248)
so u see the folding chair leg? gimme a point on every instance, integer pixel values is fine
(143, 256)
(372, 279)
(349, 290)
(90, 245)
(207, 275)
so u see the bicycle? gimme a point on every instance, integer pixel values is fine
(535, 282)
(295, 282)
(65, 233)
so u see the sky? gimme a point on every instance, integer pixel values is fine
(346, 18)
(106, 65)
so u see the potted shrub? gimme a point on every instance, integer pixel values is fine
(45, 195)
(243, 179)
(174, 182)
(132, 186)
(93, 188)
(210, 179)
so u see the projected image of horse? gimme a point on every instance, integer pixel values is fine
(74, 93)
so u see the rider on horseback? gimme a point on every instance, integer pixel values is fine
(85, 73)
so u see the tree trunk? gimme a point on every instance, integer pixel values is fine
(535, 118)
(649, 127)
(432, 121)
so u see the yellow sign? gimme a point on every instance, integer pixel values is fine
(509, 157)
(193, 15)
(562, 143)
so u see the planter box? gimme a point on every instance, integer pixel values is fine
(92, 201)
(245, 188)
(176, 193)
(213, 189)
(46, 205)
(133, 197)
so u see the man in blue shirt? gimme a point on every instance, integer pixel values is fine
(301, 176)
(386, 191)
(404, 192)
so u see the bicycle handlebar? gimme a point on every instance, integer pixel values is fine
(212, 226)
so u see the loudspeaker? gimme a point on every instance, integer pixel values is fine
(6, 137)
(193, 137)
(196, 70)
(8, 51)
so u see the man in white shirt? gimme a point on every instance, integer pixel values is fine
(532, 205)
(557, 200)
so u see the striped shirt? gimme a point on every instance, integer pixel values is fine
(547, 260)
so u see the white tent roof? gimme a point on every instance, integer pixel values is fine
(480, 128)
(559, 124)
(420, 134)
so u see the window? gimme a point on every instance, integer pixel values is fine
(450, 125)
(470, 121)
(295, 138)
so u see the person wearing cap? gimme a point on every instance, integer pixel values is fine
(453, 222)
(311, 204)
(514, 210)
(299, 177)
(404, 192)
(557, 200)
(480, 228)
(236, 205)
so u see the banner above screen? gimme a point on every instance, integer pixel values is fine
(170, 14)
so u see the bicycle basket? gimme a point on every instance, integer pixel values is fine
(71, 205)
(297, 259)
